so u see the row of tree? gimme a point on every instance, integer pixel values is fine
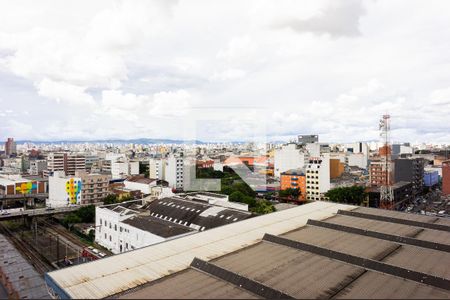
(237, 190)
(349, 195)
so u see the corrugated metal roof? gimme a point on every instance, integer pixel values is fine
(327, 262)
(109, 276)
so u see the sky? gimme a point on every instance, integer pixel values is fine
(224, 70)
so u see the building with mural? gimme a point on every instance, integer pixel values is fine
(64, 190)
(17, 185)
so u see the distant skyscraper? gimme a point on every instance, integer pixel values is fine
(10, 147)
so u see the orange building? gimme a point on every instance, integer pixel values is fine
(336, 168)
(294, 179)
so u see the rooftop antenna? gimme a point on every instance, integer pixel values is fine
(386, 191)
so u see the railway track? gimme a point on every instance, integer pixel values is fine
(63, 232)
(38, 261)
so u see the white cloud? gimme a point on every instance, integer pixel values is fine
(170, 104)
(121, 68)
(64, 92)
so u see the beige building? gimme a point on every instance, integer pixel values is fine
(95, 187)
(67, 162)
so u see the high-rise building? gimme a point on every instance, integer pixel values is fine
(410, 170)
(317, 177)
(175, 171)
(156, 168)
(75, 162)
(446, 177)
(10, 147)
(67, 162)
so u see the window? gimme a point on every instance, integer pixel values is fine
(105, 236)
(110, 238)
(115, 227)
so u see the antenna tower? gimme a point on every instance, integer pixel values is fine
(386, 191)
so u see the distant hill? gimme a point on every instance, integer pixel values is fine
(142, 141)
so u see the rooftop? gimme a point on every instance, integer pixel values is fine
(140, 179)
(157, 226)
(317, 250)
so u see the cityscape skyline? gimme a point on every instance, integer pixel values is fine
(325, 67)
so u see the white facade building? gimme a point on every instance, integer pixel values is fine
(64, 190)
(288, 157)
(317, 177)
(174, 171)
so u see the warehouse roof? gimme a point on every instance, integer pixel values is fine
(358, 252)
(363, 253)
(157, 226)
(112, 275)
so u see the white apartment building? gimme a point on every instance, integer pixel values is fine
(317, 177)
(37, 166)
(174, 171)
(288, 157)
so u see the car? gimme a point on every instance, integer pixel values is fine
(102, 254)
(95, 251)
(90, 248)
(5, 213)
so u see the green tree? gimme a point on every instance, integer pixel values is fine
(349, 195)
(86, 214)
(110, 199)
(263, 207)
(294, 193)
(71, 219)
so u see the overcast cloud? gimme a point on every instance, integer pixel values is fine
(129, 69)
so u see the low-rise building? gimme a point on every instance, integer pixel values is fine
(17, 185)
(403, 194)
(135, 224)
(294, 179)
